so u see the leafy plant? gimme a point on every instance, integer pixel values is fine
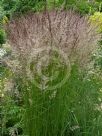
(2, 36)
(97, 19)
(10, 115)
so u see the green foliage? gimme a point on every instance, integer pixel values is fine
(9, 6)
(10, 108)
(23, 6)
(73, 109)
(2, 36)
(96, 19)
(10, 114)
(98, 59)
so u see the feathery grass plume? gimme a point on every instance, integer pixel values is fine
(75, 35)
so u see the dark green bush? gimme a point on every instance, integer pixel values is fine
(2, 37)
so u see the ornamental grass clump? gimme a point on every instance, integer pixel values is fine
(51, 48)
